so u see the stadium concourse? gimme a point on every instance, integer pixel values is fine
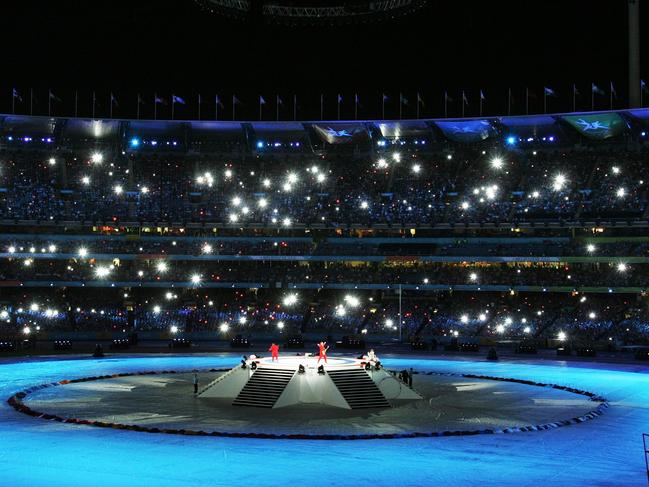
(472, 250)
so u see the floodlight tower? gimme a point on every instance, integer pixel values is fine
(634, 53)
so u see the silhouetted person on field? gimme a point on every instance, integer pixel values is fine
(195, 381)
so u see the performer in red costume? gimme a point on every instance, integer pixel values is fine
(274, 351)
(322, 354)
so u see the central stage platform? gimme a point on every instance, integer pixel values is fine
(341, 382)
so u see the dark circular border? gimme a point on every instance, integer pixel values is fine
(16, 402)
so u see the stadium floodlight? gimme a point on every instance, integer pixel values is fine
(620, 193)
(381, 163)
(321, 178)
(85, 180)
(102, 271)
(290, 299)
(266, 183)
(224, 327)
(286, 222)
(591, 248)
(396, 157)
(465, 205)
(173, 329)
(156, 309)
(195, 279)
(562, 336)
(464, 319)
(364, 205)
(622, 267)
(280, 325)
(82, 252)
(416, 168)
(207, 249)
(497, 163)
(559, 182)
(527, 330)
(234, 218)
(162, 267)
(592, 315)
(500, 328)
(262, 203)
(352, 301)
(97, 157)
(473, 277)
(118, 189)
(51, 248)
(144, 190)
(52, 161)
(616, 170)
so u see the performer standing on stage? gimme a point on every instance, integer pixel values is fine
(322, 354)
(274, 351)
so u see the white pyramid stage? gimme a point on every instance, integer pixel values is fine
(345, 383)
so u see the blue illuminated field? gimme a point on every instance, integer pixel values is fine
(605, 451)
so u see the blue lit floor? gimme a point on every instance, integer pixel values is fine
(605, 451)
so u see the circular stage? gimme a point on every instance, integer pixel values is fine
(451, 404)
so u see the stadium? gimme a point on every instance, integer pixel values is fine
(348, 285)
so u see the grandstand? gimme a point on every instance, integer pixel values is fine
(488, 230)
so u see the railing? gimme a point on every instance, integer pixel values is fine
(217, 380)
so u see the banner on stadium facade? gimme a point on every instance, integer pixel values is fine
(467, 130)
(597, 126)
(342, 133)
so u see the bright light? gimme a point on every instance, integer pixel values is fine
(173, 329)
(207, 249)
(620, 193)
(482, 317)
(234, 217)
(508, 321)
(228, 173)
(12, 249)
(621, 267)
(27, 330)
(195, 278)
(290, 299)
(352, 301)
(102, 271)
(33, 307)
(162, 267)
(500, 328)
(381, 163)
(473, 276)
(97, 158)
(464, 319)
(535, 194)
(562, 335)
(144, 190)
(340, 310)
(497, 163)
(85, 180)
(156, 309)
(224, 327)
(364, 205)
(242, 320)
(426, 280)
(262, 203)
(465, 205)
(592, 315)
(321, 178)
(169, 295)
(236, 201)
(4, 314)
(527, 329)
(118, 189)
(292, 178)
(314, 169)
(616, 170)
(266, 183)
(559, 182)
(27, 262)
(287, 187)
(286, 222)
(51, 248)
(389, 323)
(52, 161)
(416, 168)
(591, 248)
(280, 325)
(396, 157)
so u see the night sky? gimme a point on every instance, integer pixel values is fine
(175, 46)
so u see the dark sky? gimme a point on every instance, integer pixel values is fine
(175, 46)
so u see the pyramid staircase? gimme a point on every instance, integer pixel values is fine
(264, 387)
(358, 388)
